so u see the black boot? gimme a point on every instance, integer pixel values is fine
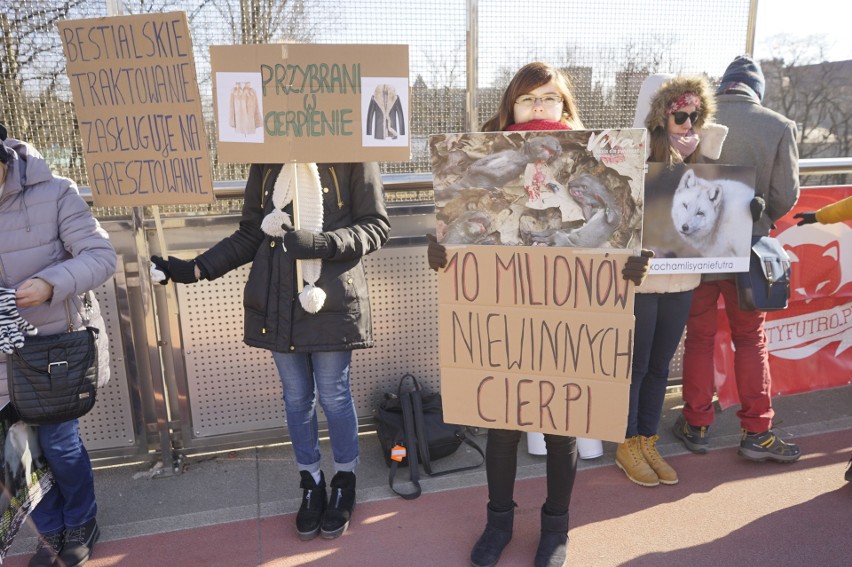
(79, 543)
(314, 501)
(497, 535)
(49, 546)
(553, 546)
(340, 505)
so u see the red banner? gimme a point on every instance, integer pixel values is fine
(809, 342)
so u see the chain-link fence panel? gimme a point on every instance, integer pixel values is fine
(607, 47)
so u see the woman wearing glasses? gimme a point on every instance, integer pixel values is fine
(677, 112)
(537, 98)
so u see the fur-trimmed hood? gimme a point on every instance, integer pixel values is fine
(385, 96)
(671, 90)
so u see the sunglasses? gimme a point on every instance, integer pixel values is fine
(680, 117)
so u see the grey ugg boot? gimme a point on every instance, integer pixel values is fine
(553, 546)
(498, 533)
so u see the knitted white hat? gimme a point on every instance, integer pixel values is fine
(309, 190)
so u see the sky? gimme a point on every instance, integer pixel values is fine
(803, 18)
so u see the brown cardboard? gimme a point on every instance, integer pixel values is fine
(136, 97)
(500, 400)
(313, 102)
(545, 342)
(532, 306)
(537, 277)
(509, 322)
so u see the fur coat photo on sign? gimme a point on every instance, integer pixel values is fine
(385, 118)
(244, 116)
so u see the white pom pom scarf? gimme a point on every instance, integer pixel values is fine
(309, 196)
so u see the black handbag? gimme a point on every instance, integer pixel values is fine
(411, 428)
(54, 378)
(766, 286)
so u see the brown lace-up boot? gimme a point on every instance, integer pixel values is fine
(629, 458)
(665, 472)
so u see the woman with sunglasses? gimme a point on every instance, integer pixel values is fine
(677, 111)
(538, 98)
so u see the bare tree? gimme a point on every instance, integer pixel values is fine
(795, 80)
(268, 21)
(437, 100)
(815, 93)
(31, 64)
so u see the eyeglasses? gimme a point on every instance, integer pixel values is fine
(528, 101)
(680, 117)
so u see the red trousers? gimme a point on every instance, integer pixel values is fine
(751, 358)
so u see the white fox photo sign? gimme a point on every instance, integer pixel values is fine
(697, 218)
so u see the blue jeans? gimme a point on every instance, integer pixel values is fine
(71, 501)
(660, 320)
(303, 377)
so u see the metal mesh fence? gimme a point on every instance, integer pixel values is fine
(607, 46)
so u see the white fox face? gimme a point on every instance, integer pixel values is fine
(695, 207)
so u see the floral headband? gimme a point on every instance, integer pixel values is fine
(686, 99)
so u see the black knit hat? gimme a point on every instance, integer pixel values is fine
(743, 69)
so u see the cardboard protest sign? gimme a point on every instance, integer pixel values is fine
(138, 107)
(580, 188)
(311, 102)
(697, 218)
(536, 338)
(537, 334)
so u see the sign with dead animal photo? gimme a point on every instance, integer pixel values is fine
(698, 218)
(535, 320)
(293, 102)
(579, 189)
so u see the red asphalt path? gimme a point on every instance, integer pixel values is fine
(724, 512)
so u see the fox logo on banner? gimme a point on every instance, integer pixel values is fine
(809, 342)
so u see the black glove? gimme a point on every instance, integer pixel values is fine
(757, 206)
(180, 271)
(808, 217)
(304, 244)
(435, 253)
(636, 267)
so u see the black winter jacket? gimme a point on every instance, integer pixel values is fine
(354, 215)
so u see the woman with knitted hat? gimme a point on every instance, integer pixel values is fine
(538, 98)
(677, 111)
(311, 325)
